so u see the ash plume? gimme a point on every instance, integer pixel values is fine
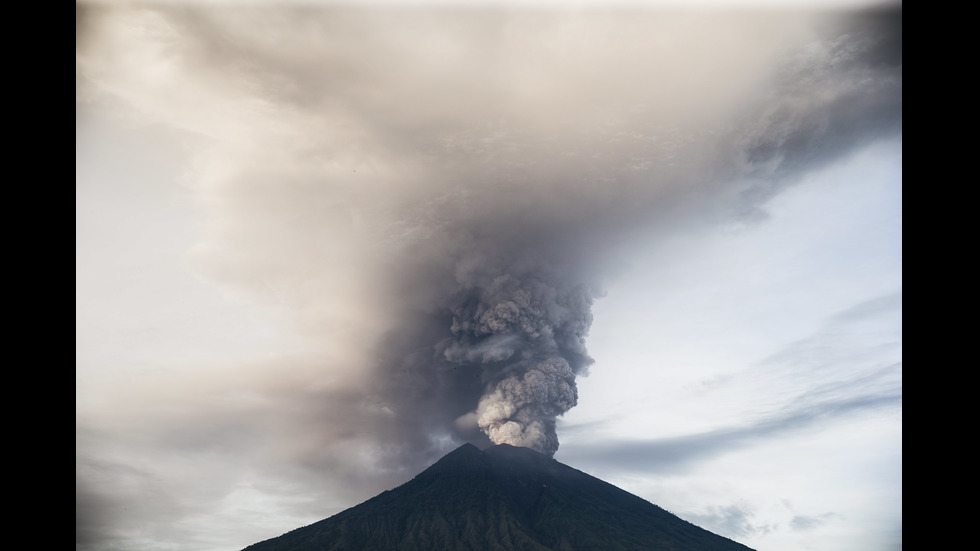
(513, 331)
(437, 196)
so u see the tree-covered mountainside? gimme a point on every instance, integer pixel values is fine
(502, 498)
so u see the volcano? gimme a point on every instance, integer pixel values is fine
(501, 498)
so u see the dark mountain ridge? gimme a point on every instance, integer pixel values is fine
(502, 498)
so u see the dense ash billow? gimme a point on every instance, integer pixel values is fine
(498, 337)
(525, 336)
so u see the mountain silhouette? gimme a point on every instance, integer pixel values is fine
(500, 499)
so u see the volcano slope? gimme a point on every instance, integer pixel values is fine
(502, 498)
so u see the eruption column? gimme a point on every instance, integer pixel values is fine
(525, 336)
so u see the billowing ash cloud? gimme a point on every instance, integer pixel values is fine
(437, 196)
(521, 330)
(497, 338)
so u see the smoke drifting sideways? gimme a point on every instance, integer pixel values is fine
(439, 195)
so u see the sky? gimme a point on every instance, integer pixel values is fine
(320, 245)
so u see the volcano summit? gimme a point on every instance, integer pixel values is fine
(502, 498)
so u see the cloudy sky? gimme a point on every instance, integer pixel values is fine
(318, 246)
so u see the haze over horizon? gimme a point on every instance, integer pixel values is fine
(320, 246)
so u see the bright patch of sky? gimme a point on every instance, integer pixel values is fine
(780, 343)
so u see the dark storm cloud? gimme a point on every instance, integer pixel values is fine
(682, 453)
(106, 491)
(733, 521)
(91, 523)
(437, 196)
(802, 522)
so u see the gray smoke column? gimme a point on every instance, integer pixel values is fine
(437, 196)
(497, 315)
(522, 329)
